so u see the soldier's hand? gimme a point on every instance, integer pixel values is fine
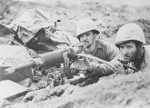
(117, 66)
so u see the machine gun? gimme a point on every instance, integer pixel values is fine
(45, 61)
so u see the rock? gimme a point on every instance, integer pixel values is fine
(26, 83)
(43, 94)
(42, 84)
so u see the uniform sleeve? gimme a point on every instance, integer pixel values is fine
(101, 70)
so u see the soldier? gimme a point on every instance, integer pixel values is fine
(91, 44)
(130, 40)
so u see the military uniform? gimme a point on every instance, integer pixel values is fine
(106, 51)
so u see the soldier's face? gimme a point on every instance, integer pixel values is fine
(87, 39)
(128, 50)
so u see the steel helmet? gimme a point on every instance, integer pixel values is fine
(85, 25)
(130, 31)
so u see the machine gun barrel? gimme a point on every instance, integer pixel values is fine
(46, 60)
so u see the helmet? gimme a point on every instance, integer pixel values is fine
(130, 31)
(85, 25)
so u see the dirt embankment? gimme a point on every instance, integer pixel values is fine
(126, 91)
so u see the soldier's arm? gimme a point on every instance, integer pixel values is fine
(101, 70)
(113, 66)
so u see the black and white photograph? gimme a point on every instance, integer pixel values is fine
(74, 53)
